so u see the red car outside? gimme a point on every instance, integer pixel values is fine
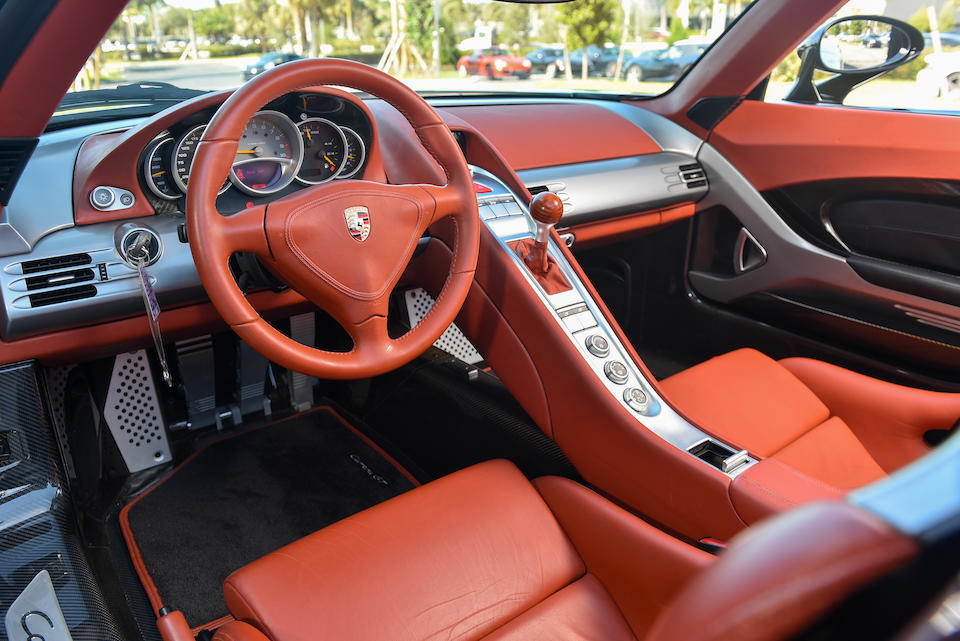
(495, 62)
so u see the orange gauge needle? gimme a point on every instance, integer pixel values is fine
(309, 137)
(159, 173)
(248, 151)
(328, 160)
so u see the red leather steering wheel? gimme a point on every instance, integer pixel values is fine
(304, 237)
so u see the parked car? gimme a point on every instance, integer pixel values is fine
(601, 61)
(546, 60)
(665, 64)
(268, 61)
(494, 62)
(947, 39)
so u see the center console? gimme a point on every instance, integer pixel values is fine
(578, 315)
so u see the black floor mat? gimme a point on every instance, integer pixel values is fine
(245, 496)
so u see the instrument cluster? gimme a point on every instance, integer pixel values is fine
(298, 140)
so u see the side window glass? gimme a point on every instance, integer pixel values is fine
(929, 82)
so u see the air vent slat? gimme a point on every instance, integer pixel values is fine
(55, 262)
(59, 279)
(62, 295)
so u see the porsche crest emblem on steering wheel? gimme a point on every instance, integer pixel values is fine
(358, 222)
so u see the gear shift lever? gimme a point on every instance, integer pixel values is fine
(546, 208)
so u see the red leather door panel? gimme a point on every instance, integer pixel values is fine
(778, 144)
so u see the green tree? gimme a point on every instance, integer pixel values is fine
(216, 23)
(589, 22)
(260, 19)
(677, 32)
(419, 26)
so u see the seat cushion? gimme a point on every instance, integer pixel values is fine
(747, 399)
(830, 452)
(455, 559)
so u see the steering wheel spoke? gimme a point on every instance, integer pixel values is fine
(447, 200)
(244, 231)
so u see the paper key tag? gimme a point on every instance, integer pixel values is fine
(148, 292)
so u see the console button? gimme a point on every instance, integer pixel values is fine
(637, 399)
(497, 209)
(102, 197)
(616, 372)
(598, 345)
(513, 208)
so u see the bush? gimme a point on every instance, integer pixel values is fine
(908, 71)
(787, 70)
(227, 51)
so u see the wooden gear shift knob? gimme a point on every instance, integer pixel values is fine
(547, 208)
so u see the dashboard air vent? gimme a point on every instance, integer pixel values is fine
(55, 262)
(14, 154)
(693, 176)
(55, 296)
(60, 278)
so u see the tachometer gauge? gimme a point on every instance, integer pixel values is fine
(323, 150)
(269, 154)
(183, 158)
(355, 154)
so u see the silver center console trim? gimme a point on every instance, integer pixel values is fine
(579, 316)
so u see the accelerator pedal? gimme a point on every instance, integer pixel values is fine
(452, 341)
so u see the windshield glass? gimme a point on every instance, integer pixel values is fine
(450, 46)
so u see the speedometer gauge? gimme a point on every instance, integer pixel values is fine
(183, 158)
(269, 154)
(324, 146)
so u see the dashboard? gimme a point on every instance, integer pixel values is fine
(62, 266)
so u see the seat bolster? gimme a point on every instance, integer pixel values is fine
(747, 399)
(640, 566)
(888, 419)
(238, 631)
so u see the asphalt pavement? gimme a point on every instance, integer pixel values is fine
(216, 74)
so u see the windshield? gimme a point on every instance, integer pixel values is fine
(157, 48)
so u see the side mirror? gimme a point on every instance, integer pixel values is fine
(857, 45)
(855, 48)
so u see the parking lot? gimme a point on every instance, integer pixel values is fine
(225, 73)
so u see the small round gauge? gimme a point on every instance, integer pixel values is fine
(355, 155)
(324, 145)
(269, 154)
(157, 172)
(183, 158)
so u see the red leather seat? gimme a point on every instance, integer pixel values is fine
(837, 426)
(485, 554)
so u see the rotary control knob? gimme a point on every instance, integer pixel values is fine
(637, 399)
(616, 371)
(598, 345)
